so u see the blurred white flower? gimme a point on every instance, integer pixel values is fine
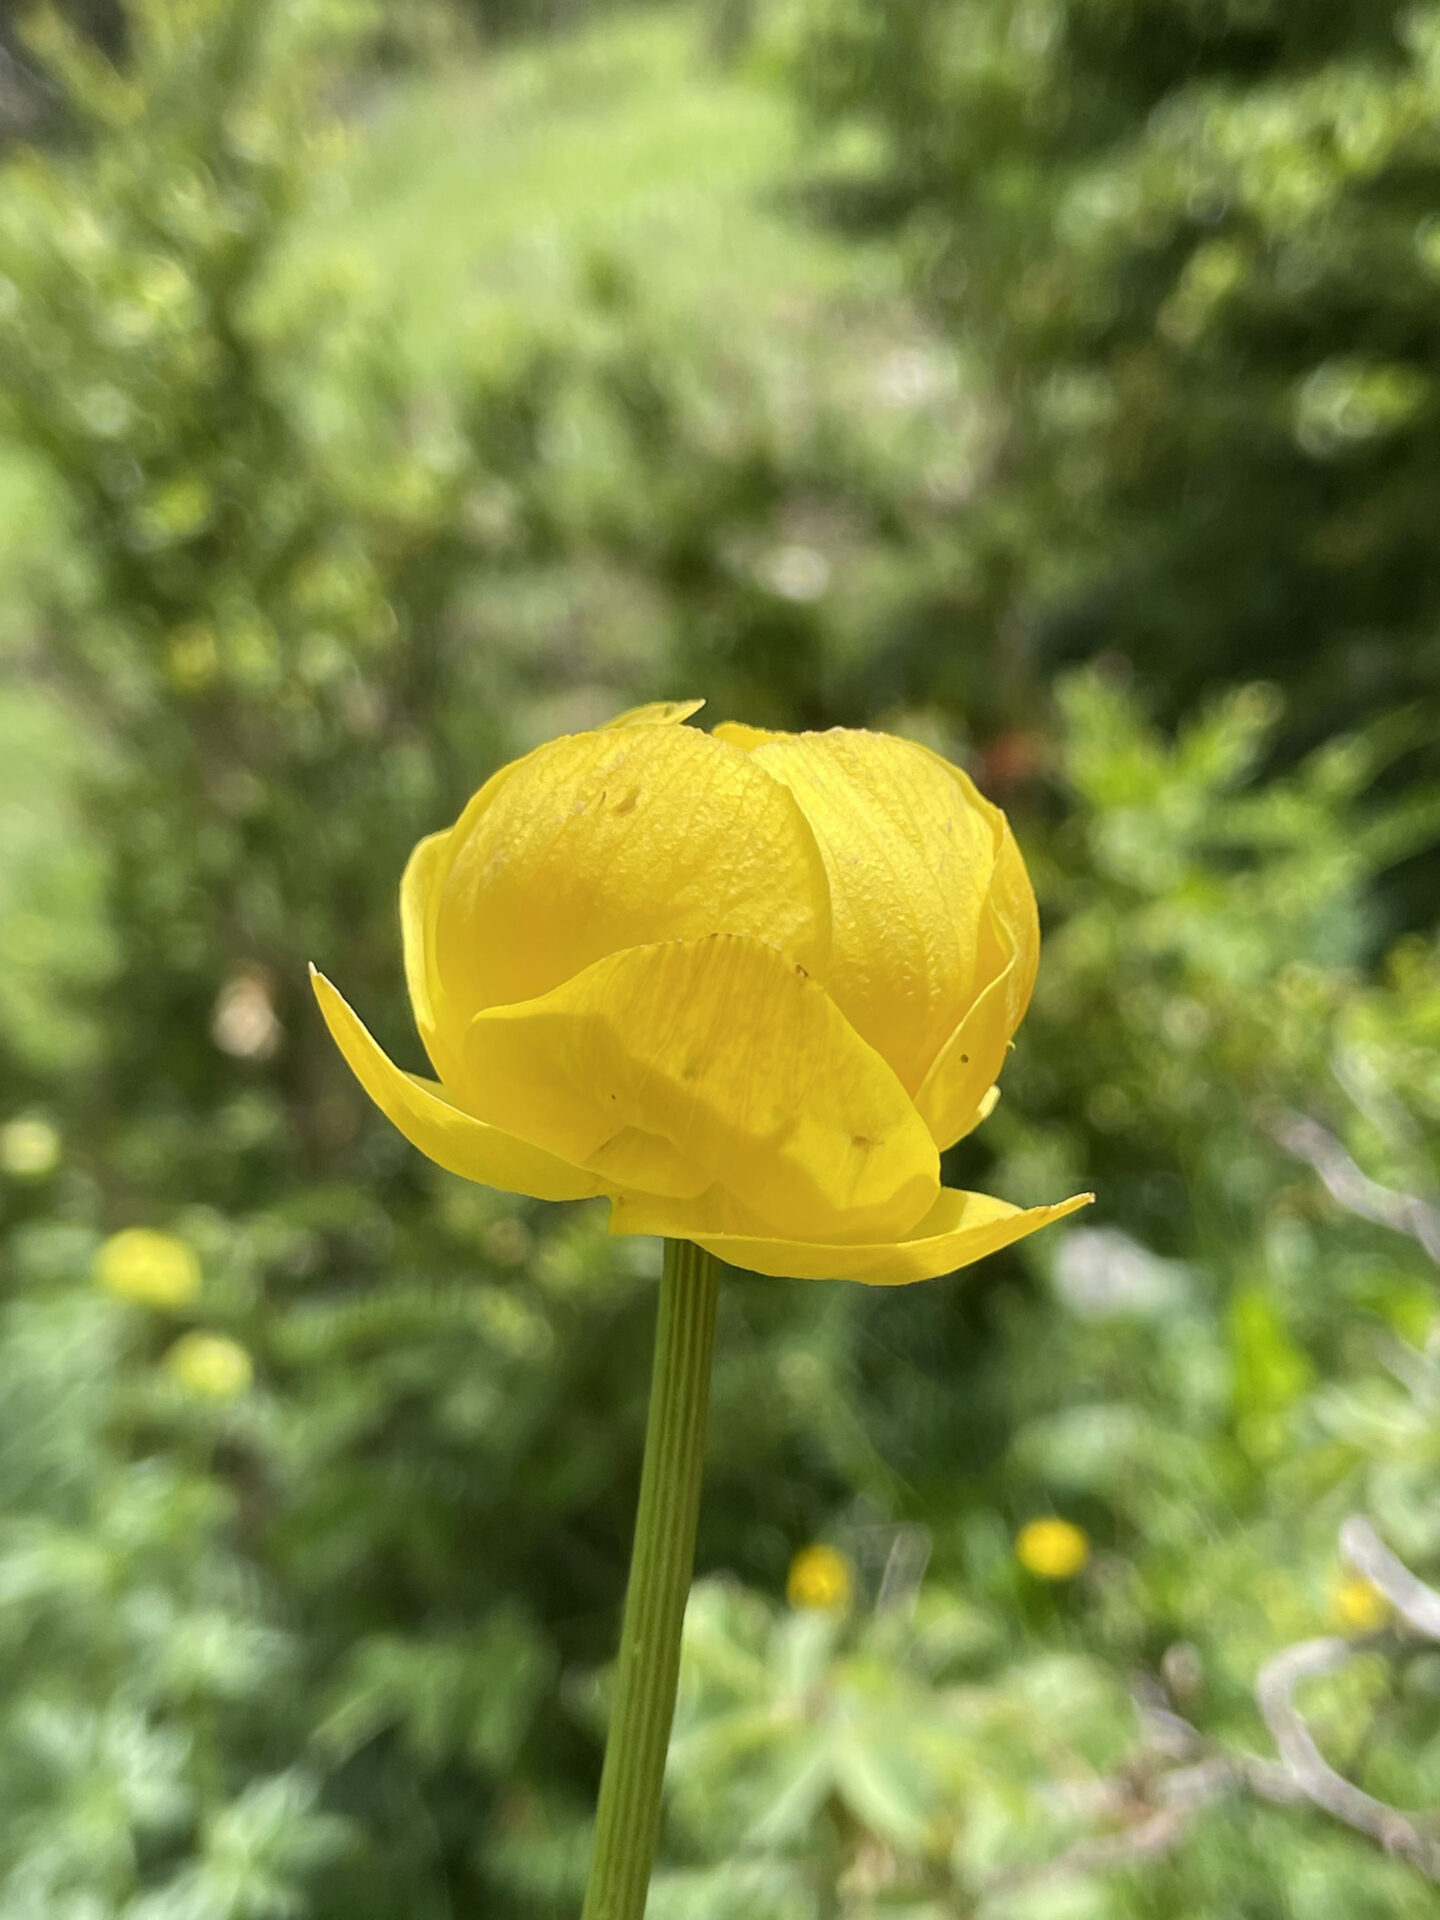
(1101, 1273)
(244, 1023)
(795, 572)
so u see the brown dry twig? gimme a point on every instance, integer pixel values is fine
(1158, 1811)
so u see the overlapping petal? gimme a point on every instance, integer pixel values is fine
(912, 853)
(622, 838)
(423, 882)
(952, 1096)
(737, 1060)
(960, 1228)
(430, 1121)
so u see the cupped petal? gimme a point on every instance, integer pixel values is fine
(960, 1228)
(910, 853)
(729, 1052)
(430, 1121)
(625, 837)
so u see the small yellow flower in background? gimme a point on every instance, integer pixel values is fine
(1052, 1549)
(819, 1577)
(1358, 1606)
(29, 1148)
(210, 1364)
(749, 986)
(151, 1269)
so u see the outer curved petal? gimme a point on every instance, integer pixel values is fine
(909, 853)
(1013, 909)
(951, 1100)
(622, 838)
(452, 1139)
(960, 1228)
(739, 1061)
(952, 1097)
(419, 898)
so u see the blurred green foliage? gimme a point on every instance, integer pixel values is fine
(1194, 247)
(309, 1615)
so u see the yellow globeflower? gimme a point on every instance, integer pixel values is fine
(1052, 1549)
(152, 1269)
(818, 1577)
(210, 1364)
(746, 985)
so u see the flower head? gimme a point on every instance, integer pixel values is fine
(151, 1269)
(1052, 1549)
(819, 1577)
(747, 985)
(210, 1365)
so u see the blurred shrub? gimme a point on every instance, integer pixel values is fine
(1191, 249)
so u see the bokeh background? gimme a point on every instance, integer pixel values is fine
(384, 389)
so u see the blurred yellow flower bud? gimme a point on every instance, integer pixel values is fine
(1052, 1549)
(210, 1364)
(29, 1148)
(151, 1269)
(818, 1577)
(746, 985)
(1357, 1606)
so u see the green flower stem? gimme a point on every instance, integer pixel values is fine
(627, 1821)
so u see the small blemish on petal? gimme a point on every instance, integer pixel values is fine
(628, 804)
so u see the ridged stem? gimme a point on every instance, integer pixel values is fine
(627, 1820)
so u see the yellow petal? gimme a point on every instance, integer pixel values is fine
(635, 1158)
(910, 853)
(952, 1096)
(621, 838)
(1012, 903)
(730, 1053)
(452, 1139)
(960, 1228)
(657, 713)
(737, 734)
(419, 897)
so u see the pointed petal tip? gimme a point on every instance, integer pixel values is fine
(655, 713)
(423, 1112)
(963, 1227)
